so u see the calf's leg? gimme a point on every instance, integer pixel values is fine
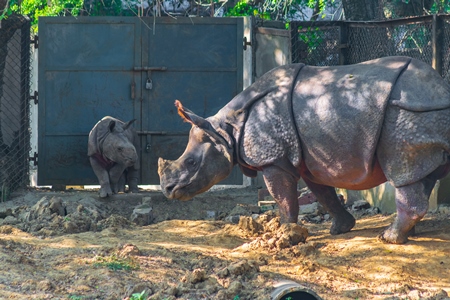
(283, 188)
(343, 221)
(103, 178)
(115, 174)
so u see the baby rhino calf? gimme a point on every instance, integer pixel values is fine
(113, 156)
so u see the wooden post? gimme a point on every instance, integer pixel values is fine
(343, 43)
(436, 42)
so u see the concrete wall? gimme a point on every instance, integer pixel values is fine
(383, 196)
(272, 49)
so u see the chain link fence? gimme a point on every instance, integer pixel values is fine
(346, 42)
(14, 103)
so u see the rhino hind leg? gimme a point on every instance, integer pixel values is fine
(283, 188)
(343, 221)
(412, 205)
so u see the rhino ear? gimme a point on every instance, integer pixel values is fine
(190, 117)
(128, 124)
(111, 125)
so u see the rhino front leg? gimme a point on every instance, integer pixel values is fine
(283, 188)
(343, 221)
(132, 179)
(412, 205)
(115, 175)
(103, 178)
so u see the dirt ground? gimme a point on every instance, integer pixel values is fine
(73, 245)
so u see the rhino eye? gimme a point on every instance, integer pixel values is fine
(191, 163)
(120, 149)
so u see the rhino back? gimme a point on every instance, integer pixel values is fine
(421, 88)
(339, 112)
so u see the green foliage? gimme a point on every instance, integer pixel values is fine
(115, 263)
(311, 36)
(139, 296)
(278, 9)
(244, 8)
(75, 297)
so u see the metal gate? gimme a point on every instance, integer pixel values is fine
(129, 67)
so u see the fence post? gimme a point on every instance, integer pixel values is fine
(343, 42)
(436, 41)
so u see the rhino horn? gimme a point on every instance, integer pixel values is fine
(162, 164)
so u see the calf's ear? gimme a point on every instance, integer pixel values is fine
(111, 125)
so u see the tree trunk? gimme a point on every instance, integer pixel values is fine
(361, 10)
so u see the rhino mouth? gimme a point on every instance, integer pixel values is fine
(175, 191)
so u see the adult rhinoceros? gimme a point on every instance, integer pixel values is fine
(352, 127)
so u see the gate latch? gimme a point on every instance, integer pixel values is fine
(149, 84)
(149, 70)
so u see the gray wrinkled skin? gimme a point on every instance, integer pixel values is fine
(113, 156)
(351, 127)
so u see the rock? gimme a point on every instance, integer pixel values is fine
(414, 295)
(45, 285)
(210, 215)
(5, 213)
(234, 288)
(129, 250)
(198, 275)
(360, 204)
(10, 220)
(147, 200)
(142, 215)
(293, 233)
(244, 210)
(249, 225)
(312, 208)
(441, 295)
(233, 219)
(443, 209)
(241, 268)
(303, 250)
(272, 225)
(46, 207)
(316, 219)
(306, 197)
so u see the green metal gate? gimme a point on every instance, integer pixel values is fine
(129, 67)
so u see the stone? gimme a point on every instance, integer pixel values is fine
(142, 215)
(360, 204)
(312, 208)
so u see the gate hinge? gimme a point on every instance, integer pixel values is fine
(35, 97)
(35, 41)
(246, 43)
(34, 159)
